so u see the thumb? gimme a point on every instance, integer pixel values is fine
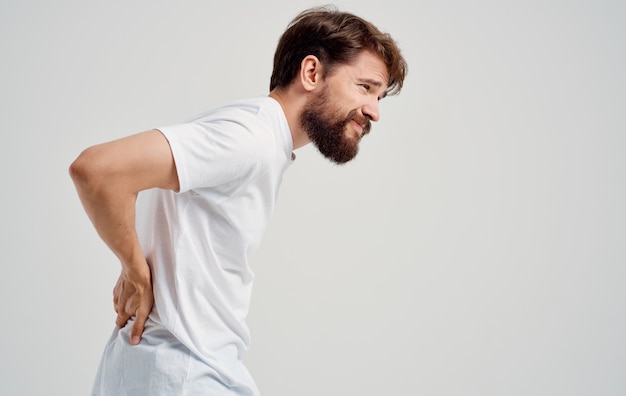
(137, 330)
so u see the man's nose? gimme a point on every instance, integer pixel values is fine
(371, 110)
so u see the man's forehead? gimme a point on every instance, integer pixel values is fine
(371, 69)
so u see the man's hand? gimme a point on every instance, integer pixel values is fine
(133, 295)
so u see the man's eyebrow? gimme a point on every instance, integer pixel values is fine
(373, 82)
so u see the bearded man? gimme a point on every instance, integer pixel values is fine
(183, 205)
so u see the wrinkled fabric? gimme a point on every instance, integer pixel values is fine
(159, 366)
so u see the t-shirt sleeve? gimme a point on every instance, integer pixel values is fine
(211, 154)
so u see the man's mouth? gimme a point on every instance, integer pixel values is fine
(363, 128)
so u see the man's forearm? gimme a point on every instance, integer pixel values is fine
(113, 217)
(111, 211)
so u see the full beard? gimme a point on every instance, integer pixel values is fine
(326, 128)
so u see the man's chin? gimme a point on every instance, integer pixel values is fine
(341, 157)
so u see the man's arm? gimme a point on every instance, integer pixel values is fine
(108, 178)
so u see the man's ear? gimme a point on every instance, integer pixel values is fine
(310, 72)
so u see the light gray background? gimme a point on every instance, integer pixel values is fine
(475, 247)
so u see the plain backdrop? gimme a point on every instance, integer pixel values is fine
(476, 246)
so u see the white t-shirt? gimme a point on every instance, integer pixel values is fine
(230, 162)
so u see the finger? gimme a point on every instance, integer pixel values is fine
(137, 330)
(122, 319)
(116, 301)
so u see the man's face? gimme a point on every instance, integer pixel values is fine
(326, 125)
(340, 113)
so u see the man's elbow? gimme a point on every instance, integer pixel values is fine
(84, 170)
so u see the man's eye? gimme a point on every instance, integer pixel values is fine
(366, 86)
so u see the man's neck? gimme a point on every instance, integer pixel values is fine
(292, 105)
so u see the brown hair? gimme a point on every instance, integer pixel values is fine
(335, 38)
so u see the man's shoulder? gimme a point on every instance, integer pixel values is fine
(253, 108)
